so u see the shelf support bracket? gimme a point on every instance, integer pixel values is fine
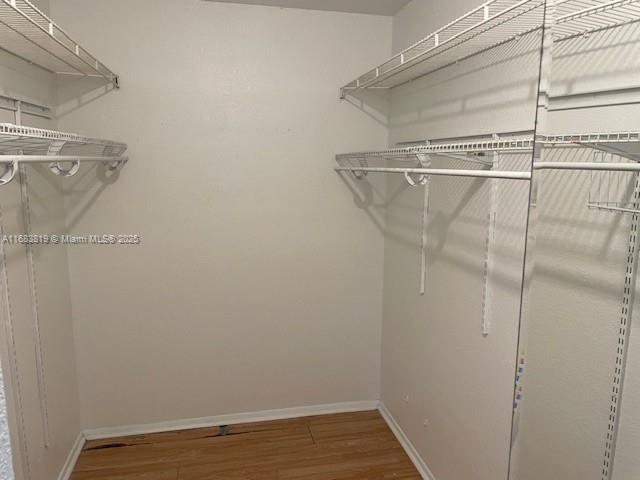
(425, 161)
(489, 249)
(56, 167)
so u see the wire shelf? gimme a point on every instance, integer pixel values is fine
(612, 191)
(19, 140)
(575, 18)
(490, 25)
(623, 144)
(470, 148)
(480, 29)
(28, 33)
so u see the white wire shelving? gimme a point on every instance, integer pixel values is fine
(622, 144)
(575, 18)
(480, 29)
(64, 152)
(25, 31)
(492, 24)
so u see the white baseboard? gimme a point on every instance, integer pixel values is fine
(263, 416)
(415, 457)
(70, 463)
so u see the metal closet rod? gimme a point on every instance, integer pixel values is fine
(603, 166)
(442, 171)
(500, 174)
(58, 158)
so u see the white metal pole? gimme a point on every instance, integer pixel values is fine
(508, 175)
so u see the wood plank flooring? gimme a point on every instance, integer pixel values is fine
(350, 446)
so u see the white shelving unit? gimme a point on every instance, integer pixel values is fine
(622, 144)
(19, 144)
(489, 25)
(580, 17)
(28, 33)
(482, 28)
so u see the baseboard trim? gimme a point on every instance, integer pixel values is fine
(261, 416)
(415, 457)
(72, 459)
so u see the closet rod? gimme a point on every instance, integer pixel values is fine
(58, 158)
(508, 175)
(500, 174)
(612, 167)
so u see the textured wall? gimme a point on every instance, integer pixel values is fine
(259, 281)
(20, 80)
(580, 264)
(436, 365)
(6, 457)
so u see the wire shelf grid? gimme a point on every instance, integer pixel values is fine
(19, 140)
(625, 145)
(476, 31)
(471, 148)
(612, 191)
(28, 33)
(490, 25)
(575, 18)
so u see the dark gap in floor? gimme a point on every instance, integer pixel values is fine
(107, 446)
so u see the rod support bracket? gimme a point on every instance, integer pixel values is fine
(59, 169)
(10, 171)
(424, 159)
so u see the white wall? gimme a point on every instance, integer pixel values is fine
(20, 80)
(580, 262)
(436, 364)
(259, 281)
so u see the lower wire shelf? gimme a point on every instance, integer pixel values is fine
(62, 151)
(622, 144)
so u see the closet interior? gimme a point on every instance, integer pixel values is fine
(455, 299)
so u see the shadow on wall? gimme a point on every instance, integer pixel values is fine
(374, 103)
(365, 195)
(84, 188)
(500, 92)
(570, 233)
(497, 84)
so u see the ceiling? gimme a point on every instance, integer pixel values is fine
(372, 7)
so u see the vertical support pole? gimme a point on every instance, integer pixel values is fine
(424, 239)
(425, 161)
(31, 275)
(14, 371)
(624, 335)
(489, 254)
(18, 112)
(540, 127)
(9, 331)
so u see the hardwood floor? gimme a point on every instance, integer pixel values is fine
(350, 446)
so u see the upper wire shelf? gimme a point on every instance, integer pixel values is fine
(28, 33)
(490, 25)
(480, 29)
(580, 17)
(62, 151)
